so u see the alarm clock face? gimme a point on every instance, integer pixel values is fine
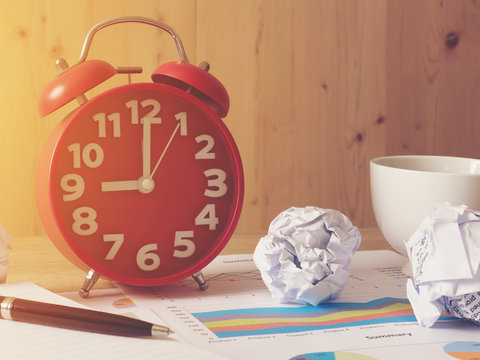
(146, 184)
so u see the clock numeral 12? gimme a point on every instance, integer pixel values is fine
(152, 103)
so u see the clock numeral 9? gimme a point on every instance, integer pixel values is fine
(72, 184)
(84, 221)
(92, 155)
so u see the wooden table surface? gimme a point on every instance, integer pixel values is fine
(37, 260)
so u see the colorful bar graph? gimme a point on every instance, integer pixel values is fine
(276, 320)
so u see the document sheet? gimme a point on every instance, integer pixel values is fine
(29, 341)
(371, 319)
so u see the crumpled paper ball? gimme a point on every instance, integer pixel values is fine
(305, 255)
(445, 256)
(5, 240)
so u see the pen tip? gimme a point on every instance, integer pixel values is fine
(159, 330)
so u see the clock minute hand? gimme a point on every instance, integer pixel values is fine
(146, 144)
(165, 150)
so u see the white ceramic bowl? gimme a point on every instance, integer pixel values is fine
(405, 188)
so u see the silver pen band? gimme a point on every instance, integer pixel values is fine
(6, 307)
(159, 330)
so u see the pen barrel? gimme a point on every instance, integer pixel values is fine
(77, 319)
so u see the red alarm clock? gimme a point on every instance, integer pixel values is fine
(143, 183)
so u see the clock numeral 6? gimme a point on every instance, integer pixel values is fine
(84, 221)
(92, 155)
(218, 182)
(72, 184)
(147, 260)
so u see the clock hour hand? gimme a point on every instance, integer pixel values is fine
(144, 185)
(119, 185)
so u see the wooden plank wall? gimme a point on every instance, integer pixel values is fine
(317, 87)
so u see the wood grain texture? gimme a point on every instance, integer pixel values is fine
(317, 88)
(307, 80)
(36, 33)
(433, 77)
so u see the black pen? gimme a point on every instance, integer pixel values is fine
(76, 318)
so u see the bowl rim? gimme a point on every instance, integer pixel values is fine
(377, 161)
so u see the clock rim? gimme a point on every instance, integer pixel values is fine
(45, 199)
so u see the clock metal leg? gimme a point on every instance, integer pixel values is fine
(90, 280)
(202, 283)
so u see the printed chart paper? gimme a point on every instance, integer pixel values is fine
(372, 318)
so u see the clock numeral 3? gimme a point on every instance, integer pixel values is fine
(218, 183)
